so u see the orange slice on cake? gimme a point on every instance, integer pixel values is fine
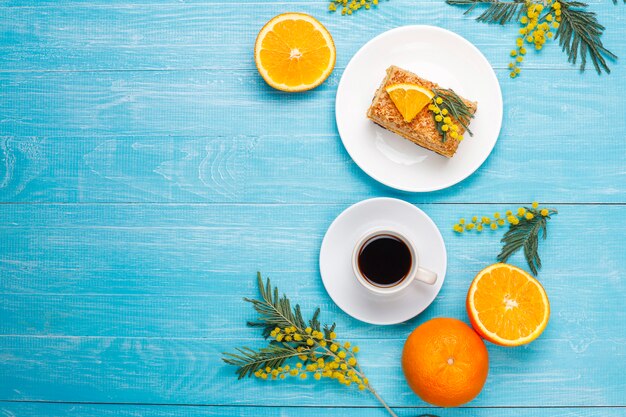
(409, 99)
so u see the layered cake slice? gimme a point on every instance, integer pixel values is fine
(421, 125)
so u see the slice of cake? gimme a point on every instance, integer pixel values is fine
(422, 129)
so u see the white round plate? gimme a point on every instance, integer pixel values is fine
(336, 260)
(437, 55)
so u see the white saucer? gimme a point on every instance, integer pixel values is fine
(336, 267)
(440, 56)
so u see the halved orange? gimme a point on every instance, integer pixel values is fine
(294, 52)
(409, 99)
(507, 306)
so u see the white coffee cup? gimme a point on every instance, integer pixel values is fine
(416, 273)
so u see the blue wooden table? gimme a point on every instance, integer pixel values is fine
(147, 173)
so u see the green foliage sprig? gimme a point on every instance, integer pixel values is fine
(525, 226)
(318, 352)
(525, 235)
(496, 12)
(579, 36)
(577, 29)
(448, 109)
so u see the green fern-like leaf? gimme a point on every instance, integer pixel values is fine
(456, 107)
(579, 36)
(579, 33)
(248, 361)
(525, 235)
(291, 338)
(274, 311)
(496, 12)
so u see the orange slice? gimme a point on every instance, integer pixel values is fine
(294, 52)
(507, 306)
(409, 99)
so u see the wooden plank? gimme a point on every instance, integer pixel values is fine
(105, 123)
(549, 372)
(384, 4)
(134, 303)
(215, 103)
(125, 410)
(289, 168)
(181, 271)
(125, 36)
(90, 248)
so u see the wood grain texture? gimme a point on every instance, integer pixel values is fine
(79, 37)
(196, 103)
(87, 410)
(193, 103)
(127, 305)
(260, 168)
(189, 371)
(154, 137)
(113, 245)
(147, 173)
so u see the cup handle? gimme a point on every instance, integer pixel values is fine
(425, 275)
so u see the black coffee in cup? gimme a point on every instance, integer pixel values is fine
(384, 260)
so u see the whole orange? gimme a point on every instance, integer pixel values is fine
(445, 362)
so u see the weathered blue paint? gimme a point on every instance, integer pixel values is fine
(147, 173)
